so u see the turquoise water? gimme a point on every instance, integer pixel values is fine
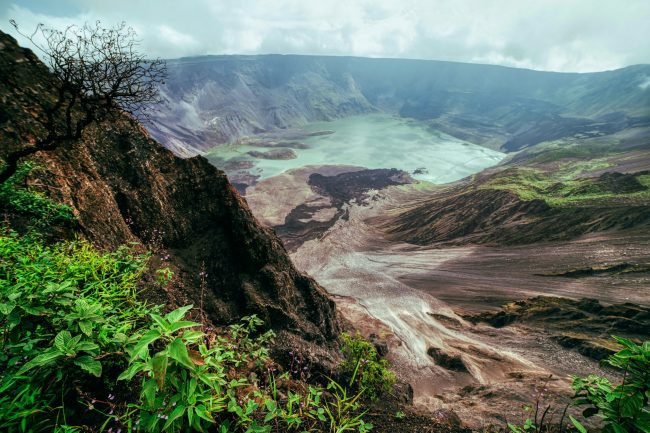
(378, 141)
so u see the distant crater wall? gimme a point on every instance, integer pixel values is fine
(218, 99)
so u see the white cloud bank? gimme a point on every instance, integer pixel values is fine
(558, 35)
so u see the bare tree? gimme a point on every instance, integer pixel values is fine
(96, 72)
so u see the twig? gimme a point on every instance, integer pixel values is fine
(562, 418)
(541, 422)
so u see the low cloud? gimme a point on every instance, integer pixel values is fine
(559, 35)
(645, 83)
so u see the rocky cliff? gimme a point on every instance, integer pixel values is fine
(124, 187)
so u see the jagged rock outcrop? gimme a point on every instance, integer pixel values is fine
(125, 187)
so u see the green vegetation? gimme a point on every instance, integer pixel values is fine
(623, 408)
(81, 351)
(585, 151)
(644, 180)
(362, 367)
(558, 172)
(17, 198)
(65, 311)
(191, 380)
(564, 188)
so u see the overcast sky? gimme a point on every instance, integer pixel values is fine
(557, 35)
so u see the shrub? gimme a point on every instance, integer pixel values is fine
(362, 367)
(15, 197)
(184, 372)
(194, 380)
(65, 313)
(80, 352)
(623, 408)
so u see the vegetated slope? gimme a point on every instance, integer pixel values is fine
(216, 99)
(520, 204)
(502, 217)
(124, 187)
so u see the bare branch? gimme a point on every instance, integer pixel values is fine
(97, 72)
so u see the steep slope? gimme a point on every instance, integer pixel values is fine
(213, 100)
(125, 187)
(216, 99)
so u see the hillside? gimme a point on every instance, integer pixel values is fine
(524, 206)
(124, 187)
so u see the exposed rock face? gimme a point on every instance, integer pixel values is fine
(125, 187)
(450, 362)
(216, 99)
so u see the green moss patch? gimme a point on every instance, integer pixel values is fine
(562, 190)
